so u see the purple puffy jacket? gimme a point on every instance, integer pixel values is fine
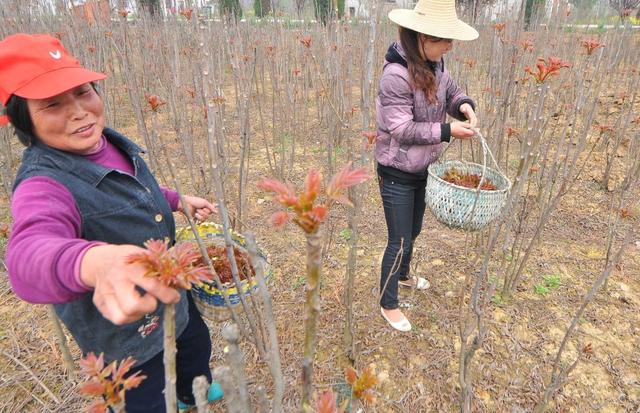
(409, 127)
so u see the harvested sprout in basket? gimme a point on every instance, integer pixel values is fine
(467, 180)
(218, 256)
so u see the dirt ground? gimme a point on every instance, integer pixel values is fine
(419, 369)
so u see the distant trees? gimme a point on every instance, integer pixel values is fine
(322, 9)
(531, 10)
(473, 8)
(150, 6)
(299, 7)
(231, 8)
(262, 7)
(326, 9)
(625, 7)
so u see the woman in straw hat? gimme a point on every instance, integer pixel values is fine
(416, 93)
(83, 202)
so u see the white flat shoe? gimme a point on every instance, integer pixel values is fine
(419, 283)
(403, 325)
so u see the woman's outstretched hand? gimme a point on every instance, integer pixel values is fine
(462, 130)
(199, 208)
(106, 269)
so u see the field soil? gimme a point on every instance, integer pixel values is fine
(418, 370)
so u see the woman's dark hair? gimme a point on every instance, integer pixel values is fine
(422, 77)
(19, 116)
(18, 113)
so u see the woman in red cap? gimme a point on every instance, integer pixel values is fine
(83, 201)
(416, 93)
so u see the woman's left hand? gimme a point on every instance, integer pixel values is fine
(200, 208)
(467, 110)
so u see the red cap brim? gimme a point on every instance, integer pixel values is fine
(58, 81)
(4, 120)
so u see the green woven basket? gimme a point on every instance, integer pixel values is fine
(466, 208)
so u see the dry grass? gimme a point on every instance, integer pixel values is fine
(420, 367)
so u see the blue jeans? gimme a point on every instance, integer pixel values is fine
(404, 207)
(192, 360)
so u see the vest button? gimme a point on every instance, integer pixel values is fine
(158, 217)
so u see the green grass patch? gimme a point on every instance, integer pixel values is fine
(346, 234)
(549, 282)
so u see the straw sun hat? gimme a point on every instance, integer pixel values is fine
(435, 18)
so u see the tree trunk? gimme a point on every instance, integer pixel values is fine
(312, 309)
(169, 358)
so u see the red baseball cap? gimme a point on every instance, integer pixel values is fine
(37, 66)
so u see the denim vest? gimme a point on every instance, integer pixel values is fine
(115, 208)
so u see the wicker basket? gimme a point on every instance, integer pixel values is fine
(466, 208)
(207, 297)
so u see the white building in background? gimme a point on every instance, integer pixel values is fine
(360, 8)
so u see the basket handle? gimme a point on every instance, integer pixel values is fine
(485, 151)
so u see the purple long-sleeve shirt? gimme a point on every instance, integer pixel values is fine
(45, 249)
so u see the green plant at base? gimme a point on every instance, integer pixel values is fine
(552, 280)
(298, 283)
(498, 300)
(284, 144)
(345, 234)
(540, 289)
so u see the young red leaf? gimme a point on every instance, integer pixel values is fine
(286, 195)
(326, 403)
(92, 365)
(280, 218)
(306, 42)
(187, 13)
(318, 213)
(92, 388)
(108, 383)
(311, 189)
(526, 45)
(591, 46)
(4, 231)
(346, 178)
(123, 368)
(363, 385)
(98, 406)
(369, 397)
(350, 375)
(368, 378)
(154, 102)
(173, 267)
(133, 381)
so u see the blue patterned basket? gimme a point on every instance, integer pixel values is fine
(207, 297)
